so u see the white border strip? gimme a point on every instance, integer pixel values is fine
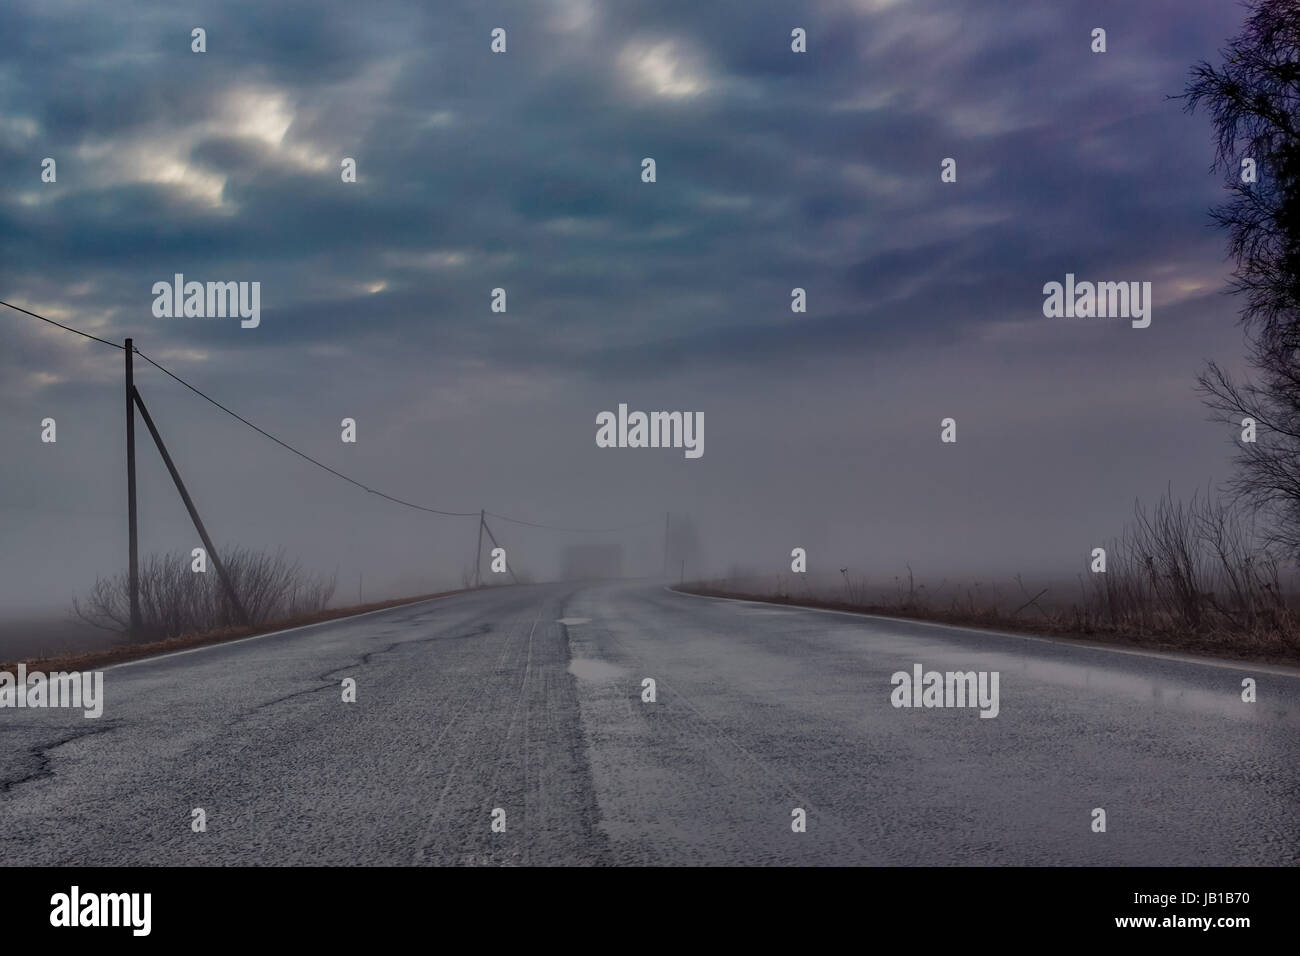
(287, 630)
(1279, 670)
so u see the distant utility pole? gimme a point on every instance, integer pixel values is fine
(478, 555)
(497, 544)
(667, 517)
(133, 572)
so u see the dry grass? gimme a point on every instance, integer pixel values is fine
(175, 600)
(89, 660)
(1243, 647)
(1191, 576)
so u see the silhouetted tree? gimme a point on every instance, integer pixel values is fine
(683, 545)
(1253, 100)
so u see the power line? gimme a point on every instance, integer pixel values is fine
(304, 455)
(60, 325)
(320, 464)
(261, 431)
(455, 514)
(551, 527)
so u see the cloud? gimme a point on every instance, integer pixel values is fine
(663, 68)
(522, 171)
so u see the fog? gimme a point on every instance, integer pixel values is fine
(523, 172)
(845, 461)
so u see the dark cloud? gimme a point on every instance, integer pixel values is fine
(523, 171)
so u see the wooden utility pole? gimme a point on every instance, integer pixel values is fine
(133, 548)
(667, 517)
(478, 555)
(496, 544)
(241, 615)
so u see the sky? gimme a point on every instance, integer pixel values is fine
(522, 170)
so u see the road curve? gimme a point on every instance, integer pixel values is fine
(482, 701)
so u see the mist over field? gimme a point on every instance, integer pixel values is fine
(523, 172)
(652, 433)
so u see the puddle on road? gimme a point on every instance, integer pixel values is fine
(585, 668)
(1163, 689)
(570, 621)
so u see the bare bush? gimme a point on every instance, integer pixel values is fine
(1197, 574)
(855, 592)
(1196, 567)
(175, 600)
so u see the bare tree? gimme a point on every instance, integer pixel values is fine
(1253, 100)
(1194, 567)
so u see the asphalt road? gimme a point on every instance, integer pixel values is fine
(484, 701)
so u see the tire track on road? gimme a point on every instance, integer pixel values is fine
(481, 698)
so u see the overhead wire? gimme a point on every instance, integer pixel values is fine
(314, 461)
